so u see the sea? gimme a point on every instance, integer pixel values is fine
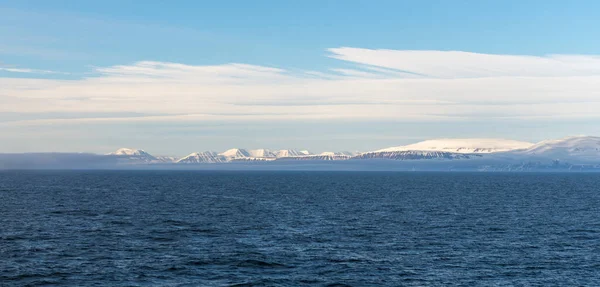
(278, 228)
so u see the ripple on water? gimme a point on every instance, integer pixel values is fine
(298, 229)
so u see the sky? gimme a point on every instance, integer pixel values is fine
(175, 77)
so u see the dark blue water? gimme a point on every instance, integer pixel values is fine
(111, 228)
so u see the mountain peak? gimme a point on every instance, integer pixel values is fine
(130, 152)
(235, 153)
(261, 153)
(288, 153)
(202, 157)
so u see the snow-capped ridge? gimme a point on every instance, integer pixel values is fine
(133, 156)
(566, 151)
(316, 157)
(235, 153)
(288, 153)
(475, 145)
(573, 146)
(416, 155)
(203, 157)
(130, 152)
(261, 153)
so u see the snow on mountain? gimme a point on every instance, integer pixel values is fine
(131, 152)
(339, 153)
(414, 155)
(235, 153)
(288, 153)
(571, 151)
(318, 157)
(167, 159)
(307, 155)
(462, 146)
(129, 155)
(249, 159)
(576, 147)
(203, 157)
(261, 153)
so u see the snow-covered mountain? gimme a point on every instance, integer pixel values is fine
(203, 157)
(317, 157)
(261, 153)
(570, 153)
(446, 149)
(338, 153)
(477, 145)
(258, 154)
(288, 153)
(167, 159)
(131, 152)
(235, 153)
(575, 148)
(415, 155)
(134, 155)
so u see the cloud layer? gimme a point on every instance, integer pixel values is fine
(383, 85)
(457, 64)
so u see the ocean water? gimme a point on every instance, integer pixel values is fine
(159, 228)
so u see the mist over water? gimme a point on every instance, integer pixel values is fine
(266, 228)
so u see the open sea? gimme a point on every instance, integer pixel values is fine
(241, 228)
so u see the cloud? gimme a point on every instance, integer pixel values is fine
(385, 85)
(181, 72)
(457, 64)
(28, 71)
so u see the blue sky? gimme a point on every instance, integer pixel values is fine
(186, 76)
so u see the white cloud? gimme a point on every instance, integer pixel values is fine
(28, 71)
(387, 85)
(457, 64)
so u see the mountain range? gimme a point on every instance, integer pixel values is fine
(233, 155)
(579, 152)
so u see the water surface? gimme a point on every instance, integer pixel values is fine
(159, 228)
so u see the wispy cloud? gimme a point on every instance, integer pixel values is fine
(457, 64)
(28, 71)
(386, 85)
